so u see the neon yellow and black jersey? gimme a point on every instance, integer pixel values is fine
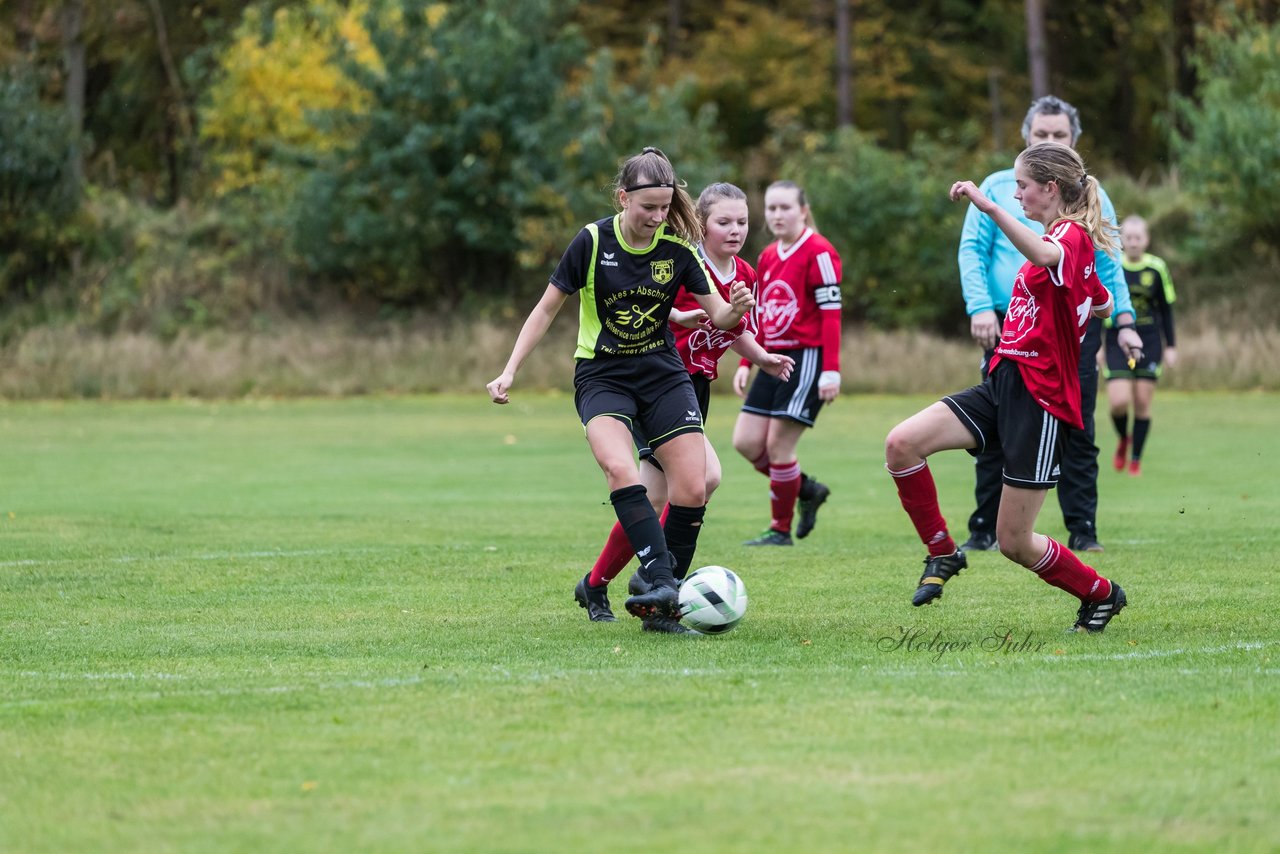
(1151, 288)
(627, 293)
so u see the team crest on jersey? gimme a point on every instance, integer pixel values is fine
(1148, 278)
(1021, 316)
(663, 271)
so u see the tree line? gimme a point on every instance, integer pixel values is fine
(171, 163)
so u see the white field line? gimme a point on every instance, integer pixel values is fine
(941, 668)
(251, 555)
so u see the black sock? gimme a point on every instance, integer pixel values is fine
(644, 532)
(806, 487)
(1141, 426)
(682, 528)
(1122, 425)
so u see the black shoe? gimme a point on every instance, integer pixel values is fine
(595, 600)
(662, 600)
(936, 572)
(981, 541)
(668, 625)
(637, 586)
(1094, 616)
(1083, 543)
(770, 538)
(809, 508)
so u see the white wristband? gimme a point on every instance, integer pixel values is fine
(827, 379)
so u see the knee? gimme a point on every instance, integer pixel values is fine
(713, 482)
(899, 451)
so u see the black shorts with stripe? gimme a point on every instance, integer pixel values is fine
(1152, 355)
(651, 394)
(1002, 414)
(701, 390)
(797, 398)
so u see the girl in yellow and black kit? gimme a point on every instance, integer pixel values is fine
(629, 379)
(1133, 384)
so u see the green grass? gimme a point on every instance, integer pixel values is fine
(339, 625)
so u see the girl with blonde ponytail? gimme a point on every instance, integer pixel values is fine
(1030, 400)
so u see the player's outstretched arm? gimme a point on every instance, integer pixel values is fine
(773, 364)
(1042, 253)
(534, 329)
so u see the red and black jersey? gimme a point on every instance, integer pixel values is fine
(799, 297)
(701, 348)
(626, 293)
(1046, 321)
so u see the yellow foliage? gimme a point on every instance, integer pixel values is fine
(265, 90)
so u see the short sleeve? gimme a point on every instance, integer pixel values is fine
(694, 275)
(571, 273)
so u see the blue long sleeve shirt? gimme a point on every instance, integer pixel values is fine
(989, 262)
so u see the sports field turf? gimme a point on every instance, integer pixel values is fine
(348, 625)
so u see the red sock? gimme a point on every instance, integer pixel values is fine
(784, 489)
(761, 463)
(617, 553)
(919, 497)
(1064, 571)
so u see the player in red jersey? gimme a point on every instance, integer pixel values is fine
(627, 270)
(1031, 396)
(722, 209)
(798, 313)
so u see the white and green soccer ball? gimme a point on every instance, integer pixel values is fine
(712, 600)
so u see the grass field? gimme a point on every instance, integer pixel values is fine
(348, 625)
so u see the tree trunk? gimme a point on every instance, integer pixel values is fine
(997, 111)
(1037, 49)
(177, 114)
(71, 21)
(675, 17)
(844, 66)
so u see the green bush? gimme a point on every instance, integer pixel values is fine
(447, 156)
(1229, 155)
(888, 215)
(38, 197)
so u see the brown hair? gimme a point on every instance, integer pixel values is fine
(800, 197)
(713, 193)
(651, 168)
(1081, 195)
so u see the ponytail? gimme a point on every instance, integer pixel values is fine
(1081, 194)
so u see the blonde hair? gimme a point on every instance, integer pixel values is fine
(1080, 193)
(800, 198)
(651, 168)
(713, 193)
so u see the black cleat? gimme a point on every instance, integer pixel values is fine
(1094, 616)
(936, 572)
(819, 493)
(662, 600)
(637, 586)
(595, 600)
(770, 538)
(1083, 543)
(668, 625)
(981, 541)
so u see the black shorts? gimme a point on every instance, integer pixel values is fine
(1002, 414)
(651, 394)
(1152, 355)
(797, 398)
(701, 390)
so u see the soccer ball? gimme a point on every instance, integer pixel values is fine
(713, 600)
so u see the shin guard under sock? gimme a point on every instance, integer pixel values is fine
(640, 522)
(919, 497)
(682, 527)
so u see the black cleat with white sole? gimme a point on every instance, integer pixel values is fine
(1094, 616)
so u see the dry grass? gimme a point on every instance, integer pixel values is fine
(333, 359)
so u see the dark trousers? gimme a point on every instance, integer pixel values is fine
(1078, 482)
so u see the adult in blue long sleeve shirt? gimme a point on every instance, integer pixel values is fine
(988, 265)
